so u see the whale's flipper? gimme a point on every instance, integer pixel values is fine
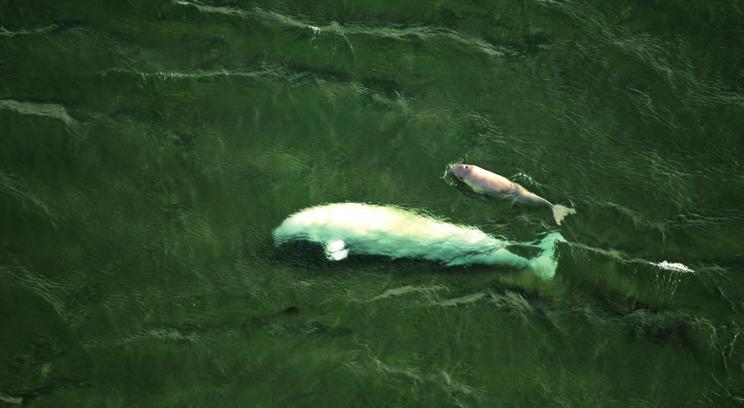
(335, 250)
(545, 264)
(560, 212)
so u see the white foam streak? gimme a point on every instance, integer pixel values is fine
(673, 266)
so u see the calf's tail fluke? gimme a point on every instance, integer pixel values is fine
(545, 264)
(560, 212)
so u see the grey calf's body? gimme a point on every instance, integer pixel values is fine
(486, 182)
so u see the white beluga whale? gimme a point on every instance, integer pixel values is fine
(345, 229)
(489, 183)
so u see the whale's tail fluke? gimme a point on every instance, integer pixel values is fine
(545, 264)
(560, 212)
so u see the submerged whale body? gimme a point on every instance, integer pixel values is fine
(354, 228)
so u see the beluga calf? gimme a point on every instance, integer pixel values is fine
(485, 182)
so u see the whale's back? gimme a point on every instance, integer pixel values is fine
(385, 230)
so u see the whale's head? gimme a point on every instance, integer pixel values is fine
(461, 171)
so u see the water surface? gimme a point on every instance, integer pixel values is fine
(149, 148)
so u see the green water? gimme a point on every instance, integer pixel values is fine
(149, 148)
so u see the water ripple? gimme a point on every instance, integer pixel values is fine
(400, 33)
(4, 32)
(408, 289)
(49, 110)
(625, 258)
(22, 191)
(454, 389)
(670, 59)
